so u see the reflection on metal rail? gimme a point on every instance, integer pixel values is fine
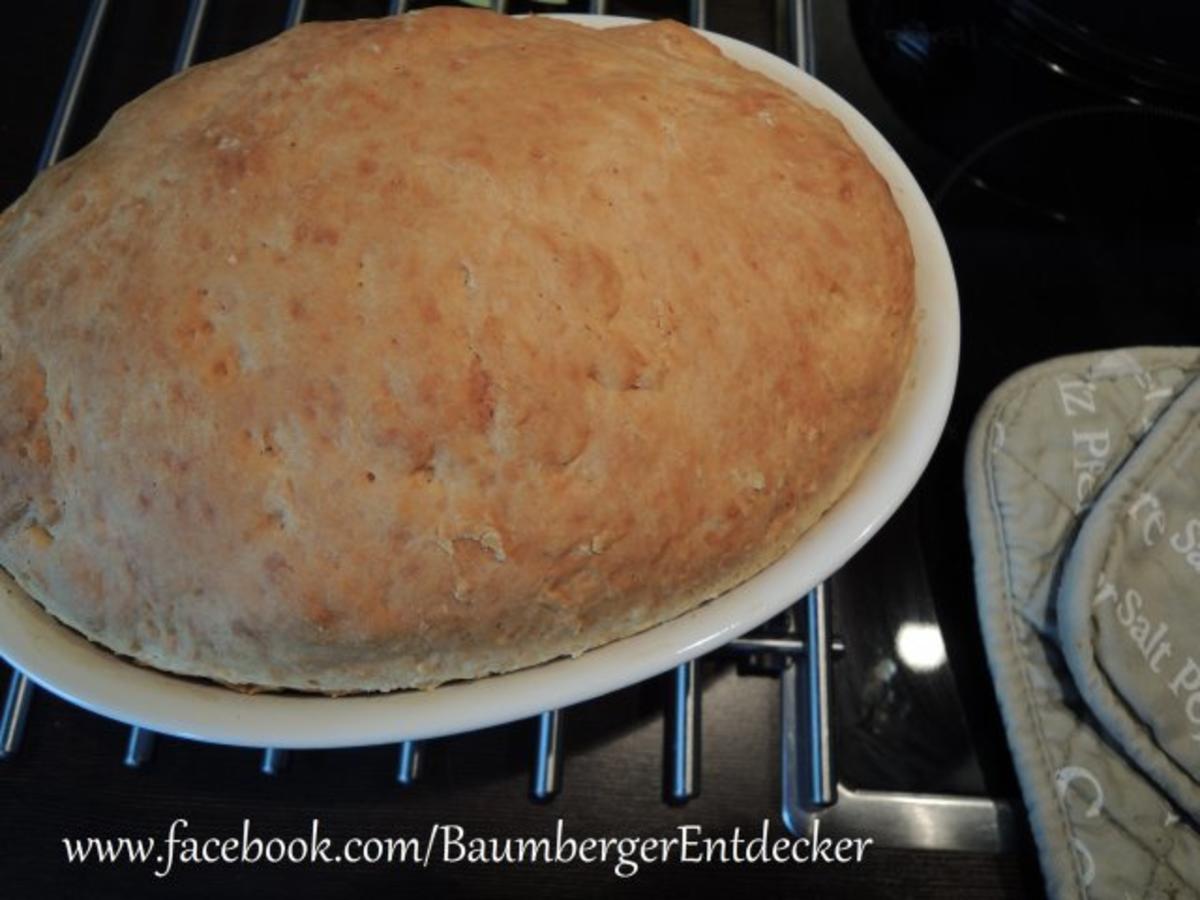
(408, 768)
(812, 793)
(139, 748)
(197, 10)
(891, 819)
(821, 789)
(683, 735)
(801, 28)
(547, 769)
(68, 100)
(274, 761)
(295, 13)
(16, 709)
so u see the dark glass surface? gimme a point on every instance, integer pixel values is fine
(1071, 206)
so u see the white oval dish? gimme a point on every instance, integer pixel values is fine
(64, 662)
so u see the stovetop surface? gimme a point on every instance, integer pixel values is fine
(1059, 152)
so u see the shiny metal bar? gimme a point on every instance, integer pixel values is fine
(500, 6)
(820, 789)
(20, 689)
(140, 747)
(785, 646)
(795, 815)
(408, 769)
(397, 7)
(891, 819)
(16, 711)
(922, 821)
(68, 100)
(274, 761)
(295, 13)
(598, 7)
(192, 25)
(547, 768)
(802, 35)
(806, 751)
(698, 13)
(683, 735)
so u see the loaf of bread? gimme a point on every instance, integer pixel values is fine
(400, 351)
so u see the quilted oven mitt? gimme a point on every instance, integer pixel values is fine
(1083, 495)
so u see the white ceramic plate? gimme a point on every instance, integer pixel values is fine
(67, 664)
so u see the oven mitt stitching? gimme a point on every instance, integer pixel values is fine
(1018, 716)
(1103, 826)
(1142, 724)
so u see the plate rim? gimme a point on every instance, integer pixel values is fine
(65, 663)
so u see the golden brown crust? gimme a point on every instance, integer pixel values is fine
(399, 351)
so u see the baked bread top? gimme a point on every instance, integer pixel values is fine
(399, 351)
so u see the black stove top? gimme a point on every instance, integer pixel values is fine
(1060, 145)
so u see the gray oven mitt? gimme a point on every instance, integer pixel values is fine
(1083, 495)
